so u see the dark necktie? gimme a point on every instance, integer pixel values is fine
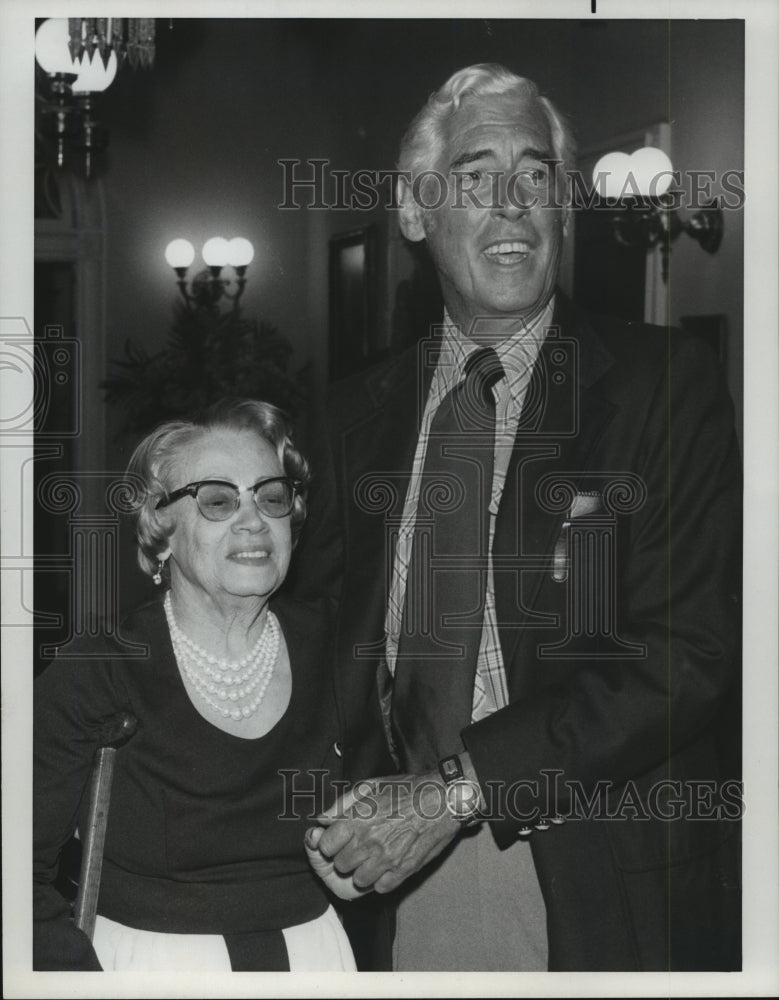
(443, 614)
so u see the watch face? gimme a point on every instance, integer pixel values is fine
(462, 799)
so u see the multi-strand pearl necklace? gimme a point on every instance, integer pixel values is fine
(234, 689)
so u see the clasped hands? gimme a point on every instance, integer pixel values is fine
(380, 832)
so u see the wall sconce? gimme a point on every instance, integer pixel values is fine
(208, 286)
(80, 57)
(637, 188)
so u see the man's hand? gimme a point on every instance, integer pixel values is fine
(386, 829)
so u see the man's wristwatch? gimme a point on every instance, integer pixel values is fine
(463, 796)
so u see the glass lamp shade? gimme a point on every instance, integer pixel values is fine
(93, 76)
(179, 253)
(51, 47)
(646, 173)
(240, 252)
(610, 173)
(216, 251)
(651, 169)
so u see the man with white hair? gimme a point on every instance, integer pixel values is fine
(539, 625)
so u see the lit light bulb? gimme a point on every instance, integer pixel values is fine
(610, 174)
(179, 253)
(240, 252)
(216, 251)
(51, 47)
(93, 76)
(652, 171)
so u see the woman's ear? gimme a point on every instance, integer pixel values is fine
(166, 525)
(411, 217)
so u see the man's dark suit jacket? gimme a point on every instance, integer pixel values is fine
(638, 418)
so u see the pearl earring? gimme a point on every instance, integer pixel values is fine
(158, 575)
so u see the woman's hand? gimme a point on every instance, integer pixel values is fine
(341, 885)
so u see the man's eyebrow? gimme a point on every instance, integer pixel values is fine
(538, 154)
(472, 156)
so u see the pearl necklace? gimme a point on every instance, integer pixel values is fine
(231, 681)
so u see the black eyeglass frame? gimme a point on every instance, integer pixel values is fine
(192, 489)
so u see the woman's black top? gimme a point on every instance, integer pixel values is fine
(205, 832)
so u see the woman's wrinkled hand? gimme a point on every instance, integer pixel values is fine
(340, 885)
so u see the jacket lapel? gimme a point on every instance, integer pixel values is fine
(376, 443)
(563, 418)
(379, 444)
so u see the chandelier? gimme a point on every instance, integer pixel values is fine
(130, 38)
(78, 58)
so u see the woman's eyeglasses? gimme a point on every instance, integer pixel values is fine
(218, 500)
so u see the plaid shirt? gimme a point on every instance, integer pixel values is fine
(518, 354)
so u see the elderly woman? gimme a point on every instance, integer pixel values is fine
(204, 864)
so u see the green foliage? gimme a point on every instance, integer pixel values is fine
(209, 354)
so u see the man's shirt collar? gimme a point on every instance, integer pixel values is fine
(516, 352)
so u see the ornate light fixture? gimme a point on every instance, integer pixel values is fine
(80, 57)
(210, 352)
(129, 38)
(209, 286)
(637, 188)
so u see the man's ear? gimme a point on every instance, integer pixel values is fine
(411, 212)
(563, 184)
(566, 217)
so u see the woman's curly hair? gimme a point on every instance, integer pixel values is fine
(152, 462)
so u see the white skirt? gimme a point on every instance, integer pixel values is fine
(319, 945)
